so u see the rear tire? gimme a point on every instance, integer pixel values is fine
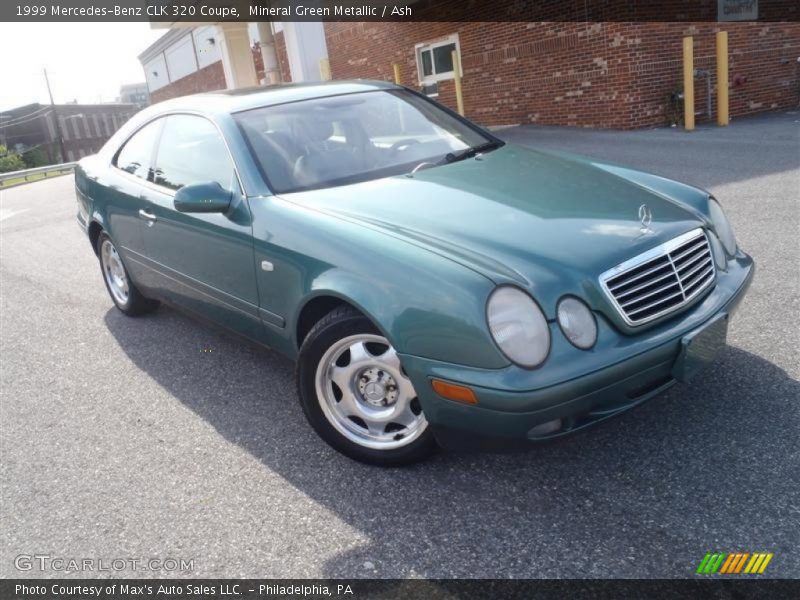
(123, 292)
(356, 395)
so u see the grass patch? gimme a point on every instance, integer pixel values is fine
(7, 183)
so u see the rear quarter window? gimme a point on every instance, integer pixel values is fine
(136, 155)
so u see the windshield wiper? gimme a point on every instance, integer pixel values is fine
(452, 157)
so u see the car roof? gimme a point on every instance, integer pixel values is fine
(231, 101)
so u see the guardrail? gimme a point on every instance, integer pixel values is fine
(19, 177)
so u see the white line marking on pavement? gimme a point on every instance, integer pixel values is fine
(6, 213)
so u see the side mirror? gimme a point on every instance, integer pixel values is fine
(202, 198)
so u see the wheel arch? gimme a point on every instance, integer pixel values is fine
(445, 321)
(319, 304)
(94, 230)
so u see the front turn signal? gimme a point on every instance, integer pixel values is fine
(451, 391)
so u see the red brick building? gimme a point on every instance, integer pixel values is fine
(618, 75)
(81, 129)
(595, 74)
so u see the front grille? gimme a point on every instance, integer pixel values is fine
(661, 280)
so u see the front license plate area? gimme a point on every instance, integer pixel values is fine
(700, 347)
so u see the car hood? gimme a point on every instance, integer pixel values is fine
(540, 220)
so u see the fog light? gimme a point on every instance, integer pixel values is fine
(577, 322)
(545, 428)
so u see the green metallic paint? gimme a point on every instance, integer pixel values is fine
(203, 261)
(597, 389)
(424, 303)
(700, 348)
(419, 256)
(202, 198)
(567, 362)
(556, 223)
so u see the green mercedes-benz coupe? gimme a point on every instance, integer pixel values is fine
(436, 286)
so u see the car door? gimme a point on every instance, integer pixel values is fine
(204, 261)
(125, 191)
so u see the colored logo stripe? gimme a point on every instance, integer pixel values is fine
(734, 563)
(710, 563)
(728, 562)
(758, 563)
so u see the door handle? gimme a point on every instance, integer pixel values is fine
(147, 215)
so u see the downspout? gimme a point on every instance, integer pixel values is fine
(707, 74)
(272, 72)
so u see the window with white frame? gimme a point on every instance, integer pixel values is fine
(435, 59)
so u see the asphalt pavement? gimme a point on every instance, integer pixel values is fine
(161, 437)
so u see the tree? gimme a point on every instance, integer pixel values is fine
(10, 162)
(35, 158)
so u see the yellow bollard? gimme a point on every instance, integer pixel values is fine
(723, 114)
(324, 69)
(688, 83)
(457, 79)
(396, 69)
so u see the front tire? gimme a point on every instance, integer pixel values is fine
(123, 292)
(356, 395)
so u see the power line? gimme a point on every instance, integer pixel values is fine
(38, 110)
(8, 124)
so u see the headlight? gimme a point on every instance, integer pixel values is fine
(577, 322)
(518, 326)
(722, 226)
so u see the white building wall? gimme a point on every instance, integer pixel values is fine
(51, 127)
(62, 126)
(181, 59)
(155, 72)
(306, 47)
(206, 46)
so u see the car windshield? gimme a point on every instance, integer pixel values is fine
(327, 142)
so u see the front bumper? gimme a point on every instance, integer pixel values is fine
(579, 388)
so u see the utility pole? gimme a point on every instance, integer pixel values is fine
(55, 119)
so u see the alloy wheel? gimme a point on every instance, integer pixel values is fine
(365, 394)
(114, 272)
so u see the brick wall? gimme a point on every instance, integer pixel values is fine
(212, 77)
(258, 61)
(616, 75)
(763, 70)
(207, 79)
(283, 57)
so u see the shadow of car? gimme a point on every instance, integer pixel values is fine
(698, 461)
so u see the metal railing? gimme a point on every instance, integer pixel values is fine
(25, 175)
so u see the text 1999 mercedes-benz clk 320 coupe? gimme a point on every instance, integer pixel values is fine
(435, 285)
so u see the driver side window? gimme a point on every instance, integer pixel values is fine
(191, 150)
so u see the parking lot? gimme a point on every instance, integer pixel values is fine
(162, 437)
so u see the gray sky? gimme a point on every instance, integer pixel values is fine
(85, 61)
